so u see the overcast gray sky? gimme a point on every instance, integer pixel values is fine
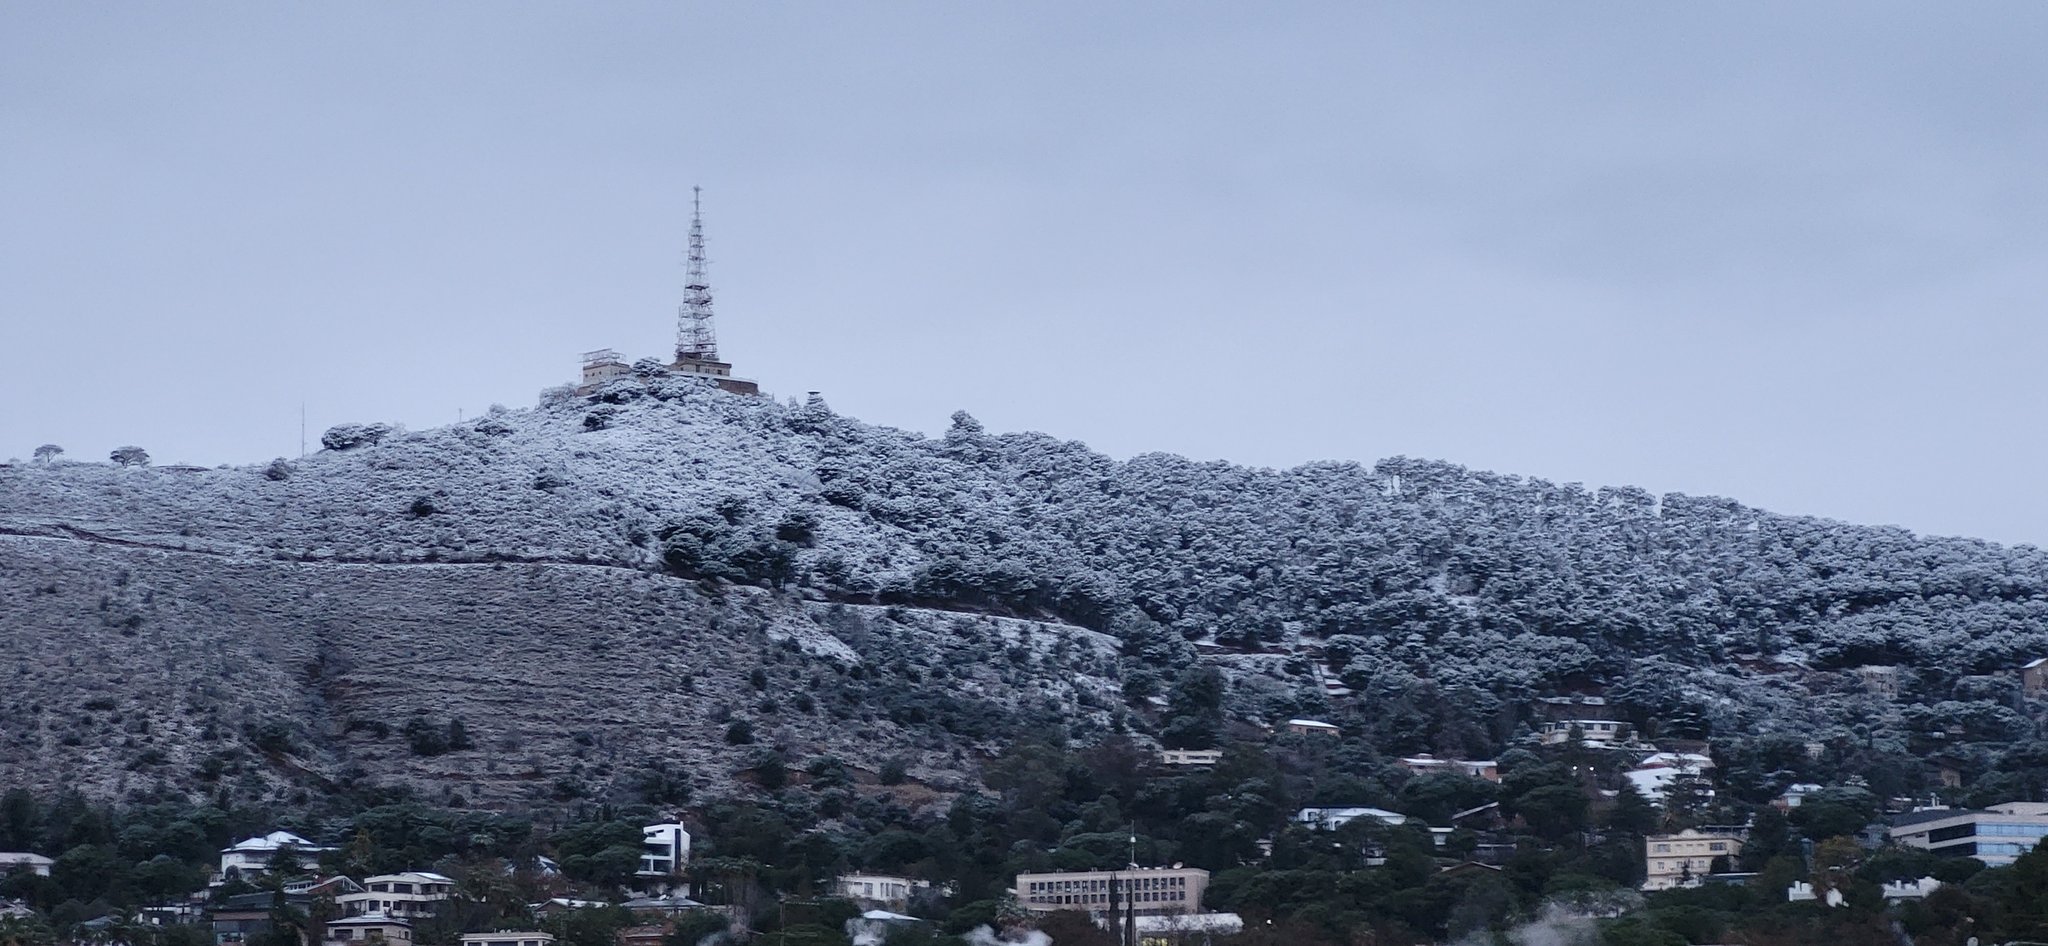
(1792, 254)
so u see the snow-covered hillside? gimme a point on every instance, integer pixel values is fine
(589, 585)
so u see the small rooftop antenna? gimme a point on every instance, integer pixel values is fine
(695, 338)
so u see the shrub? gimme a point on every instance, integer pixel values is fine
(278, 469)
(273, 737)
(425, 738)
(739, 733)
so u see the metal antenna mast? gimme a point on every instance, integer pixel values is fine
(695, 339)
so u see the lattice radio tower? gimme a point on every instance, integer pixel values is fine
(696, 340)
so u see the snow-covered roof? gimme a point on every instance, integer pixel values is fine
(884, 916)
(1326, 815)
(1653, 783)
(411, 877)
(1426, 760)
(1677, 760)
(568, 902)
(275, 840)
(1311, 723)
(370, 919)
(662, 903)
(2031, 664)
(24, 857)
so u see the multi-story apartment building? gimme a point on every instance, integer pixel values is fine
(1145, 891)
(1680, 860)
(1997, 835)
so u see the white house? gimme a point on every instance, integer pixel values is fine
(878, 888)
(11, 861)
(404, 896)
(1312, 727)
(255, 855)
(369, 928)
(1794, 795)
(1330, 819)
(1426, 764)
(509, 938)
(1592, 732)
(664, 852)
(1190, 756)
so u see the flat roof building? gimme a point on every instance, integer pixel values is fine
(1145, 891)
(11, 861)
(882, 889)
(411, 894)
(664, 850)
(509, 938)
(1997, 835)
(1683, 859)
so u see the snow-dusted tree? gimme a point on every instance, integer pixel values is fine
(48, 452)
(129, 456)
(350, 436)
(279, 469)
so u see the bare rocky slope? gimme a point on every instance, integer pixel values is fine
(620, 594)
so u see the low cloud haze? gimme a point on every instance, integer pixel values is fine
(1794, 257)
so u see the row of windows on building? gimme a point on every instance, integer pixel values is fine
(1142, 883)
(1714, 846)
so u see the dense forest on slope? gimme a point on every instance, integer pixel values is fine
(1443, 598)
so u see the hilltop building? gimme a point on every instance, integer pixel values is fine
(696, 337)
